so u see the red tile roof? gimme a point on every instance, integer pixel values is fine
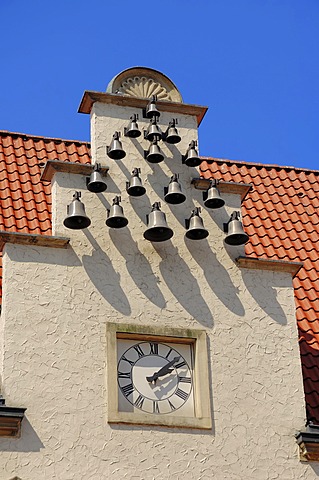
(280, 215)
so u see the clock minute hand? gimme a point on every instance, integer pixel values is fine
(163, 371)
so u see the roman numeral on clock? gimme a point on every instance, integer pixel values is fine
(139, 401)
(185, 379)
(181, 394)
(139, 351)
(171, 405)
(155, 407)
(128, 389)
(169, 352)
(127, 360)
(180, 364)
(153, 348)
(124, 375)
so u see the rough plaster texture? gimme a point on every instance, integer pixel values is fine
(56, 304)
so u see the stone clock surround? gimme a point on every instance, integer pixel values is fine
(202, 418)
(58, 302)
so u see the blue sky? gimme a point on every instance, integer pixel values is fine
(254, 63)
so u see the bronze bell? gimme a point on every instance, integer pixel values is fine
(115, 216)
(235, 232)
(157, 230)
(191, 159)
(195, 226)
(76, 217)
(173, 193)
(132, 129)
(95, 182)
(134, 187)
(115, 150)
(212, 198)
(171, 135)
(151, 109)
(153, 132)
(154, 153)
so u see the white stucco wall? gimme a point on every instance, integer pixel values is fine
(56, 305)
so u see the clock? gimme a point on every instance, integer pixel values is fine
(157, 376)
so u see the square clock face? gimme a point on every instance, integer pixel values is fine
(156, 378)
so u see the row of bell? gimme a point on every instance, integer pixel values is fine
(157, 228)
(172, 194)
(154, 154)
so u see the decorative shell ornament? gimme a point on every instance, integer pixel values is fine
(143, 87)
(144, 82)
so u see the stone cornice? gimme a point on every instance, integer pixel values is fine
(266, 264)
(90, 97)
(53, 166)
(31, 239)
(225, 187)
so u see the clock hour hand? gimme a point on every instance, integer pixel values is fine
(163, 371)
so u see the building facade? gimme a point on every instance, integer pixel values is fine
(147, 359)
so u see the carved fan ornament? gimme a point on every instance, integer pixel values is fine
(143, 87)
(142, 82)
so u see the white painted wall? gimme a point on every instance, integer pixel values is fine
(56, 305)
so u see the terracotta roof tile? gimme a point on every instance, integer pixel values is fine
(25, 202)
(281, 216)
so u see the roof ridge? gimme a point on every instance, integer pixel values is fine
(40, 137)
(258, 165)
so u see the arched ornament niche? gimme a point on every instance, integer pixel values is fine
(142, 82)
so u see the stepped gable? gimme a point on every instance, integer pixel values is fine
(25, 201)
(281, 217)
